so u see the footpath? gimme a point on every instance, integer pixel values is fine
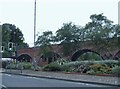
(104, 80)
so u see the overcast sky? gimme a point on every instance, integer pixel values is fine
(51, 14)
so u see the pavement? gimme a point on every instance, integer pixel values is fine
(103, 80)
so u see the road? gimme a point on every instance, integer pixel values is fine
(9, 80)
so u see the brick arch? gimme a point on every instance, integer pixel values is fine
(55, 56)
(30, 51)
(24, 57)
(78, 53)
(117, 55)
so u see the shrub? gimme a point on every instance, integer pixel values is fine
(54, 66)
(36, 68)
(90, 67)
(78, 63)
(66, 68)
(89, 56)
(99, 69)
(110, 63)
(116, 70)
(4, 64)
(62, 61)
(25, 65)
(82, 66)
(91, 72)
(11, 66)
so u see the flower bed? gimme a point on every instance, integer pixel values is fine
(101, 68)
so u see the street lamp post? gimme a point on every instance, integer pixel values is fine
(34, 22)
(34, 62)
(118, 15)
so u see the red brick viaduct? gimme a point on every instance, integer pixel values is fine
(114, 53)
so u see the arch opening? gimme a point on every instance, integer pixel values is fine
(49, 57)
(24, 58)
(85, 53)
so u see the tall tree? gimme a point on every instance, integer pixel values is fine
(44, 41)
(45, 38)
(10, 33)
(69, 36)
(99, 30)
(116, 37)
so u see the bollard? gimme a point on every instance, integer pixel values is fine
(21, 69)
(10, 67)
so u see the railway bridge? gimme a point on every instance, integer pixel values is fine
(27, 54)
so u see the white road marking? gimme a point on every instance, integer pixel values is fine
(8, 74)
(3, 86)
(33, 78)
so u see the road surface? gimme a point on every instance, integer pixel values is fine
(9, 80)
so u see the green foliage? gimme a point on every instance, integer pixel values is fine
(67, 68)
(77, 66)
(68, 36)
(45, 39)
(90, 67)
(89, 56)
(116, 37)
(4, 64)
(98, 28)
(54, 66)
(46, 53)
(99, 69)
(25, 65)
(100, 32)
(10, 33)
(5, 34)
(61, 61)
(11, 66)
(116, 70)
(45, 50)
(37, 68)
(111, 63)
(78, 63)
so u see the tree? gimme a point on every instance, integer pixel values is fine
(16, 36)
(100, 30)
(10, 33)
(45, 38)
(44, 41)
(5, 34)
(116, 37)
(68, 36)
